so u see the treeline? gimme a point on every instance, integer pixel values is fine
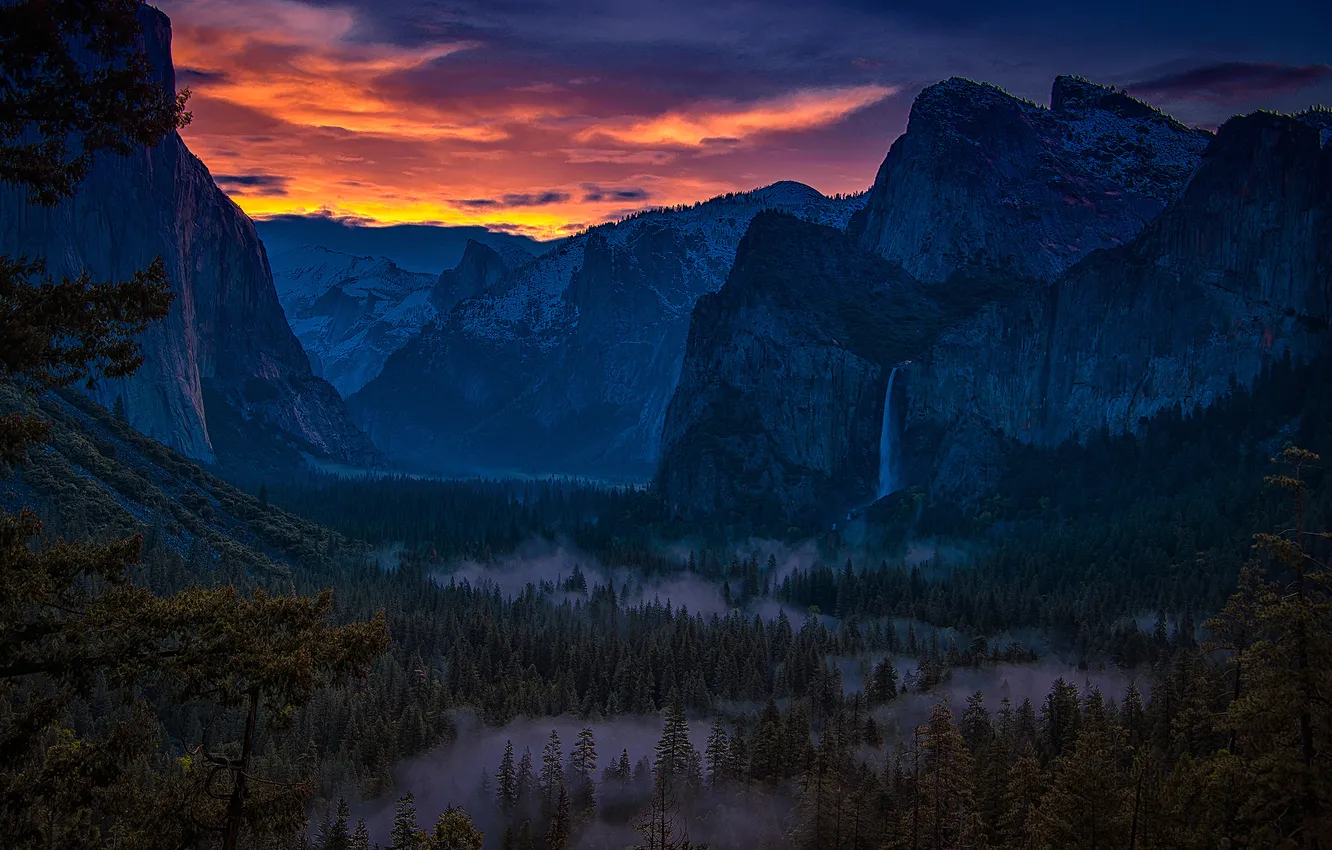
(446, 520)
(1223, 747)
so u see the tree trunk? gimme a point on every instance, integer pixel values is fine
(241, 775)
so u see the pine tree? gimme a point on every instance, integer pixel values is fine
(454, 831)
(506, 780)
(551, 781)
(1280, 724)
(583, 765)
(525, 780)
(620, 772)
(737, 754)
(557, 834)
(677, 763)
(336, 836)
(767, 756)
(1061, 717)
(944, 814)
(884, 684)
(1020, 800)
(717, 754)
(826, 790)
(405, 834)
(360, 839)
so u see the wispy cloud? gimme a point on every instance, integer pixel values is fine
(593, 193)
(725, 123)
(1229, 80)
(542, 117)
(271, 185)
(525, 199)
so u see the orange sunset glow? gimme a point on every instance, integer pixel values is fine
(296, 110)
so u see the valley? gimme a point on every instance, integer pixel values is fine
(984, 508)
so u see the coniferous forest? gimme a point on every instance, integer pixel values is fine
(1125, 643)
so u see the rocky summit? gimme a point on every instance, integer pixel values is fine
(982, 177)
(482, 267)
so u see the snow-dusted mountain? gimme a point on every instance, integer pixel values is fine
(982, 177)
(481, 267)
(567, 363)
(819, 357)
(350, 313)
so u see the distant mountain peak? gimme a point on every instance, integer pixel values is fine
(308, 250)
(983, 176)
(960, 98)
(513, 256)
(1071, 92)
(349, 312)
(788, 192)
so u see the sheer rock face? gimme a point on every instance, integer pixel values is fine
(779, 399)
(480, 269)
(225, 342)
(983, 177)
(566, 363)
(1235, 273)
(779, 408)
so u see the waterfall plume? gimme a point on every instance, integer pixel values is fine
(886, 483)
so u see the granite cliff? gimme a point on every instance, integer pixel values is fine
(224, 375)
(1233, 274)
(780, 402)
(981, 176)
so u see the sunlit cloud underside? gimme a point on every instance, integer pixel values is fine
(294, 112)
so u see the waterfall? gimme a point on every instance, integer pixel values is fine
(886, 440)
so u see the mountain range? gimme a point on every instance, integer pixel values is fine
(565, 364)
(424, 248)
(350, 313)
(1089, 310)
(1016, 274)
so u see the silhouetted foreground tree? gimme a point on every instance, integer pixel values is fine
(71, 623)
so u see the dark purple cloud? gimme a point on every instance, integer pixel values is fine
(523, 199)
(1232, 80)
(195, 77)
(593, 193)
(555, 114)
(269, 185)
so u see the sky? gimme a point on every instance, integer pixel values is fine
(543, 117)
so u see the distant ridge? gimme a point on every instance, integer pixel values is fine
(424, 248)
